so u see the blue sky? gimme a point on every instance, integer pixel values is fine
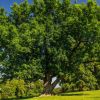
(7, 3)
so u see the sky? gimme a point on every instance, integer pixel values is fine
(8, 3)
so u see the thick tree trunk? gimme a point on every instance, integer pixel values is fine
(55, 83)
(49, 86)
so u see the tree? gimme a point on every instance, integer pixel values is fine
(49, 39)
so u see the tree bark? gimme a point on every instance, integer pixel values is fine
(49, 86)
(55, 83)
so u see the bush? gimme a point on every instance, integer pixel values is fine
(18, 88)
(34, 88)
(13, 88)
(67, 87)
(57, 91)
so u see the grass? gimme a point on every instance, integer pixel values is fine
(86, 95)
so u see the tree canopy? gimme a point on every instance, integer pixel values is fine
(50, 38)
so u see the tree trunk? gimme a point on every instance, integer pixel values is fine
(49, 86)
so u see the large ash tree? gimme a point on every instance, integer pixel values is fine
(47, 39)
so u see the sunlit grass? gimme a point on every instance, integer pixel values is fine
(86, 95)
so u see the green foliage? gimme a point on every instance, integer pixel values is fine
(57, 91)
(34, 88)
(13, 88)
(82, 80)
(51, 39)
(18, 88)
(67, 87)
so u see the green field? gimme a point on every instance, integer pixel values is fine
(87, 95)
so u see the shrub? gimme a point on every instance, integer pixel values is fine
(18, 88)
(34, 88)
(66, 87)
(57, 90)
(13, 88)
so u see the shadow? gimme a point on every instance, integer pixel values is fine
(20, 98)
(94, 97)
(73, 94)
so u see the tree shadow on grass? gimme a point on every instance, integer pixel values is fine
(73, 94)
(21, 98)
(98, 97)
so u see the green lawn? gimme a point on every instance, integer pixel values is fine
(87, 95)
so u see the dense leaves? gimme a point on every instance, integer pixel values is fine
(50, 39)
